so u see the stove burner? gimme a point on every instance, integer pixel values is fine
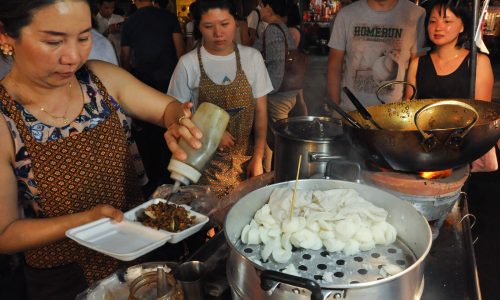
(412, 184)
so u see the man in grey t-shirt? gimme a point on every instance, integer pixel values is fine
(371, 43)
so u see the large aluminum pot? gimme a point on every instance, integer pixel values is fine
(426, 135)
(317, 139)
(245, 275)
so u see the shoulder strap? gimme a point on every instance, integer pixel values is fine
(258, 22)
(264, 39)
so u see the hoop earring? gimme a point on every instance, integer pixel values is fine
(7, 49)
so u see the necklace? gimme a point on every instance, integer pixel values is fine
(64, 118)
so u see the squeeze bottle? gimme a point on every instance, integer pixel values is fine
(212, 121)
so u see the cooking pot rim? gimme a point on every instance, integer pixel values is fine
(278, 126)
(418, 263)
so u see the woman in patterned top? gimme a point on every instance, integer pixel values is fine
(66, 151)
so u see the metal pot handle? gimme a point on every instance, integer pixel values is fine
(455, 139)
(269, 275)
(383, 86)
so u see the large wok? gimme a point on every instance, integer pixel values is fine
(426, 135)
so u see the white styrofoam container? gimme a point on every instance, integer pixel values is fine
(129, 239)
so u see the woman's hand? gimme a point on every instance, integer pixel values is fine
(227, 141)
(255, 167)
(183, 128)
(105, 211)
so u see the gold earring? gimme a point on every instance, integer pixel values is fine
(7, 49)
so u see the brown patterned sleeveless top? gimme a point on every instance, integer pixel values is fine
(74, 174)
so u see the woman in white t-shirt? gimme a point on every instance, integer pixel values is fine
(235, 78)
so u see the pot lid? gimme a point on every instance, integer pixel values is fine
(309, 128)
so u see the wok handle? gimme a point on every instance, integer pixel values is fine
(383, 86)
(456, 136)
(269, 275)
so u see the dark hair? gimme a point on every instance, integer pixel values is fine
(205, 5)
(16, 14)
(293, 16)
(458, 8)
(102, 1)
(278, 6)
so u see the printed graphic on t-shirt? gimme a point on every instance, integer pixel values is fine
(226, 80)
(379, 58)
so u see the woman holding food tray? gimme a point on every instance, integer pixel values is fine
(66, 155)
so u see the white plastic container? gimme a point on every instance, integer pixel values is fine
(212, 121)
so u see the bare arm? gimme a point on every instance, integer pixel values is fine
(295, 35)
(411, 77)
(125, 58)
(334, 75)
(244, 36)
(255, 167)
(142, 102)
(252, 35)
(484, 78)
(18, 234)
(179, 44)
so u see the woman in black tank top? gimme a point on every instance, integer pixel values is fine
(444, 72)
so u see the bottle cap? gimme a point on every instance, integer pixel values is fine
(183, 172)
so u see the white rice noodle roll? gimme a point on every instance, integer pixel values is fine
(281, 255)
(351, 247)
(269, 248)
(331, 200)
(390, 270)
(345, 229)
(253, 236)
(305, 239)
(303, 198)
(325, 225)
(290, 269)
(390, 234)
(366, 246)
(264, 234)
(330, 242)
(378, 232)
(263, 216)
(279, 202)
(323, 219)
(293, 224)
(285, 241)
(363, 235)
(367, 210)
(318, 243)
(313, 226)
(244, 234)
(274, 232)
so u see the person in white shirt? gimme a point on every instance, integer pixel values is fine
(235, 78)
(108, 23)
(256, 26)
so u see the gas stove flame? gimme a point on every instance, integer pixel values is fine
(436, 174)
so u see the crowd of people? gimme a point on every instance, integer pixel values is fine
(94, 102)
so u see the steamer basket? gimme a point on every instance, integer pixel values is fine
(353, 277)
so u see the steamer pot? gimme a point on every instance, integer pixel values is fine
(317, 139)
(245, 274)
